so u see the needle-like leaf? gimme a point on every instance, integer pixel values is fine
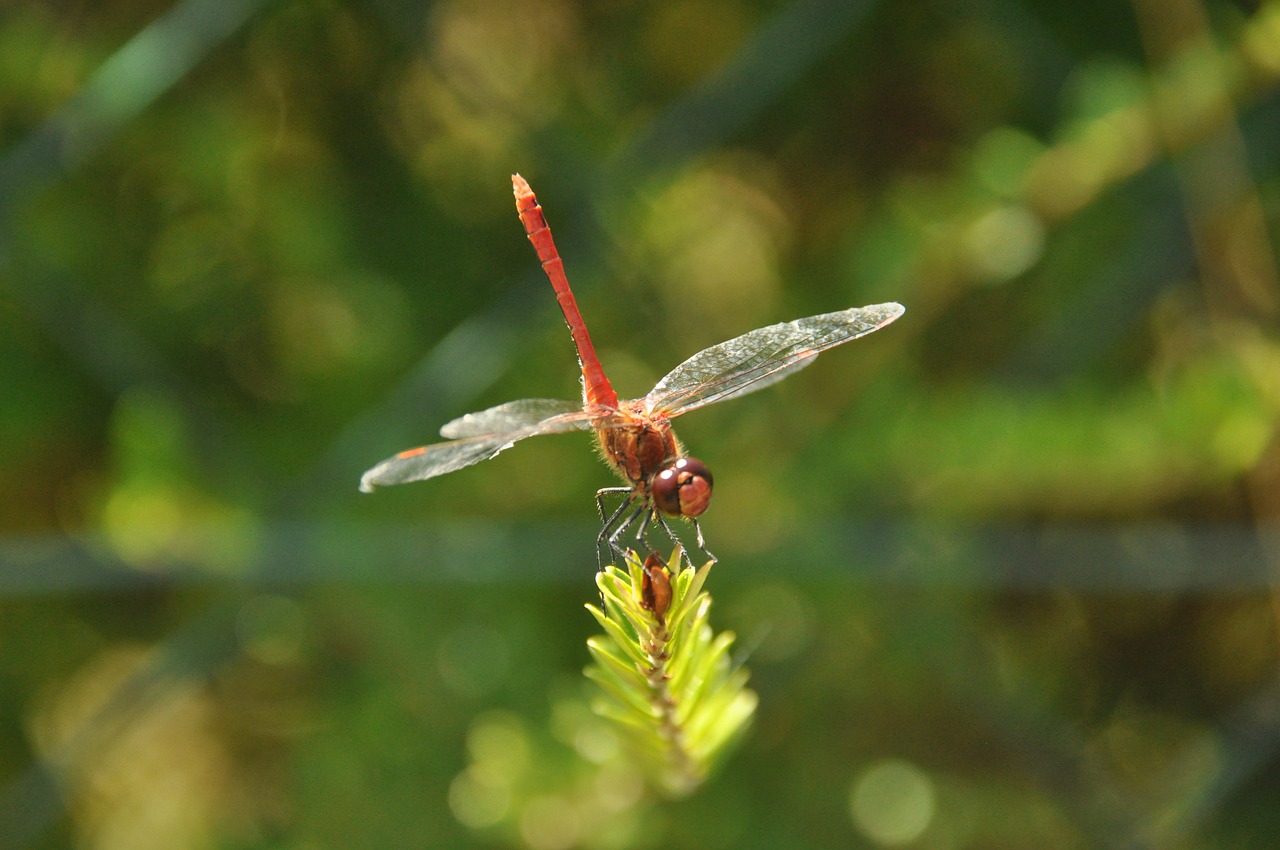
(665, 677)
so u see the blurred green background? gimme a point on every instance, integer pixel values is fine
(1004, 572)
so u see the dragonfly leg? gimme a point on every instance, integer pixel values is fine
(640, 515)
(642, 520)
(613, 524)
(666, 528)
(600, 497)
(702, 550)
(702, 543)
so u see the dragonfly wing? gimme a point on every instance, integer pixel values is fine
(429, 461)
(507, 417)
(762, 357)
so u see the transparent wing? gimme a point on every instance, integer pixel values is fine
(507, 417)
(762, 357)
(429, 461)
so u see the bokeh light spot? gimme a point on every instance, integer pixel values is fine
(141, 523)
(1004, 243)
(892, 802)
(1262, 40)
(619, 786)
(1240, 440)
(476, 801)
(499, 743)
(550, 823)
(1002, 159)
(714, 241)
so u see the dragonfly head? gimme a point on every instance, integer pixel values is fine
(682, 487)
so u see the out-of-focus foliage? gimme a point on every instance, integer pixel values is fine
(1006, 569)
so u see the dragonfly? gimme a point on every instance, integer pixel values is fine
(635, 437)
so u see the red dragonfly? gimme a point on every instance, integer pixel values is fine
(635, 436)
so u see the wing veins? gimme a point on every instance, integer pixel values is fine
(779, 349)
(441, 458)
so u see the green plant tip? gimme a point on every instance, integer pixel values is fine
(662, 675)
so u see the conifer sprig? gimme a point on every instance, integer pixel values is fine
(666, 679)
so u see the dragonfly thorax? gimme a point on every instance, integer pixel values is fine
(646, 454)
(639, 449)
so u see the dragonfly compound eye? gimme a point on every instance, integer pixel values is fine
(683, 488)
